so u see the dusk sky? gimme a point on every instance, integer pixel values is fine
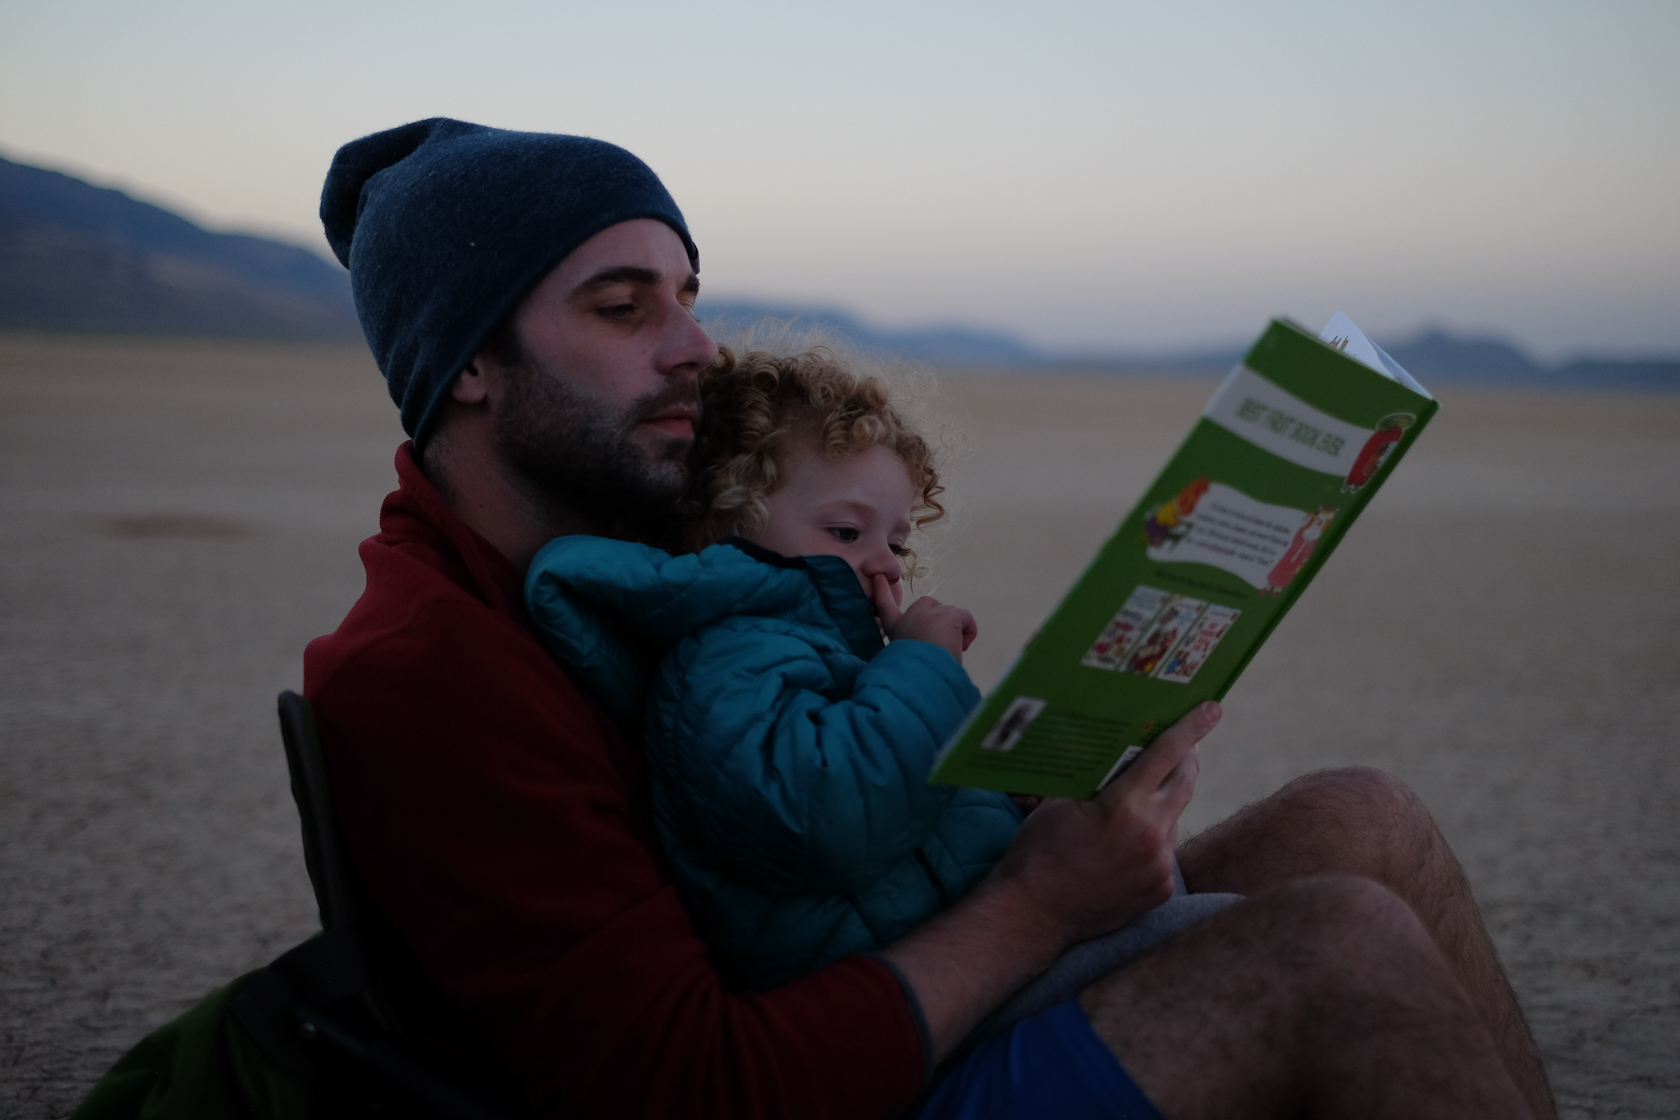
(1138, 177)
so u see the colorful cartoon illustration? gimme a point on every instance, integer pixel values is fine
(1149, 654)
(1300, 549)
(1204, 637)
(1377, 449)
(1126, 627)
(1163, 636)
(1176, 662)
(1165, 523)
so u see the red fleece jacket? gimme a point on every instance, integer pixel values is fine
(497, 823)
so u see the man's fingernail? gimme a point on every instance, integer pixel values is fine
(1212, 711)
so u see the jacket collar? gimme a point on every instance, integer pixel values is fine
(415, 513)
(839, 589)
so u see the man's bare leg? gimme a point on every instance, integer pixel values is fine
(1322, 997)
(1364, 823)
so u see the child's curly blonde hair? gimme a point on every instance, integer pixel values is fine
(753, 407)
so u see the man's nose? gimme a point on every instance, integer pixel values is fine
(687, 345)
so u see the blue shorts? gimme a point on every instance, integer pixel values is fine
(1048, 1065)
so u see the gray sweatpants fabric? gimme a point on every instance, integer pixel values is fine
(1084, 964)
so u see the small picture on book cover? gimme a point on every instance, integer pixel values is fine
(1192, 653)
(1123, 630)
(1014, 723)
(1174, 622)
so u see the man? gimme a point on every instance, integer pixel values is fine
(529, 299)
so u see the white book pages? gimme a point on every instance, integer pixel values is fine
(1341, 333)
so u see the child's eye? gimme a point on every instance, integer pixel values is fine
(845, 534)
(897, 548)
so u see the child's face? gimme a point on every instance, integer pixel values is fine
(857, 508)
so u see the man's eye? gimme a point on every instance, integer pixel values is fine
(845, 534)
(619, 310)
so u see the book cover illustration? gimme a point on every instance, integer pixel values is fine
(1293, 444)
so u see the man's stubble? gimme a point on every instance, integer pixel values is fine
(580, 456)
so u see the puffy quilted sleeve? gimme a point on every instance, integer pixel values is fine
(774, 770)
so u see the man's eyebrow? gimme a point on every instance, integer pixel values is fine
(620, 274)
(633, 274)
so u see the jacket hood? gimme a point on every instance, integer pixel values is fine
(607, 609)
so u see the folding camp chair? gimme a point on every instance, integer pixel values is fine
(317, 1009)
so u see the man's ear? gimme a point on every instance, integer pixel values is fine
(472, 384)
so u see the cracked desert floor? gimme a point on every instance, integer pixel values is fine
(1501, 630)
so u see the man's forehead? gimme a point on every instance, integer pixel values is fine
(639, 251)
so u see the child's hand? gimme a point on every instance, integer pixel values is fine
(927, 620)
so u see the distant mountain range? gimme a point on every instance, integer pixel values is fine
(1437, 357)
(75, 257)
(953, 345)
(1432, 356)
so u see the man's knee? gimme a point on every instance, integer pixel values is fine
(1366, 823)
(1354, 821)
(1356, 794)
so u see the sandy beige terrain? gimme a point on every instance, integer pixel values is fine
(1501, 630)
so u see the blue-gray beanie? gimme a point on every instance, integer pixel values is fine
(446, 226)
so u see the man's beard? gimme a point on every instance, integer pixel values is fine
(581, 456)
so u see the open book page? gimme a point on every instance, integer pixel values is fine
(1341, 333)
(1294, 443)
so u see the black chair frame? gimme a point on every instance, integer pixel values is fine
(317, 1010)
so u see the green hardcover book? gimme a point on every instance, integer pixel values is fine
(1283, 459)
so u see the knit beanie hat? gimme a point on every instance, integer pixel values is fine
(446, 226)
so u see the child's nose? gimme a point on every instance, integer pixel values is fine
(883, 562)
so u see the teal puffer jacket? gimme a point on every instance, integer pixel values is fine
(788, 749)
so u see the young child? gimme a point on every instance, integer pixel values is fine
(788, 746)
